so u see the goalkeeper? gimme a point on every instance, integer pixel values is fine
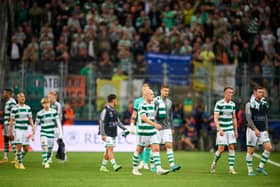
(108, 123)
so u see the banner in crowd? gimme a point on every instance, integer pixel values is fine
(86, 138)
(174, 69)
(224, 76)
(203, 76)
(76, 90)
(104, 88)
(123, 89)
(52, 83)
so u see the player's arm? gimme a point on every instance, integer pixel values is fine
(250, 122)
(133, 121)
(234, 120)
(147, 120)
(216, 120)
(195, 5)
(102, 124)
(11, 123)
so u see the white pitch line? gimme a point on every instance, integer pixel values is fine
(268, 161)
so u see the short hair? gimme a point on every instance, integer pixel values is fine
(258, 88)
(164, 86)
(228, 88)
(111, 97)
(45, 100)
(20, 93)
(9, 90)
(146, 85)
(53, 93)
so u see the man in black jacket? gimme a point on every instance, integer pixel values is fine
(108, 122)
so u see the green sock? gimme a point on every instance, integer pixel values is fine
(147, 152)
(141, 156)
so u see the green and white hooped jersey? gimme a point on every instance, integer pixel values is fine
(8, 109)
(145, 129)
(47, 120)
(226, 111)
(21, 116)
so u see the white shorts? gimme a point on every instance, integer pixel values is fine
(144, 141)
(165, 136)
(253, 140)
(21, 137)
(227, 139)
(45, 141)
(110, 142)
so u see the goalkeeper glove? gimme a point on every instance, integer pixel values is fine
(125, 133)
(264, 102)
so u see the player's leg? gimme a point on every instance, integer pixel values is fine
(136, 157)
(168, 140)
(231, 141)
(44, 146)
(231, 158)
(6, 143)
(18, 140)
(221, 142)
(170, 156)
(105, 160)
(156, 158)
(146, 153)
(112, 159)
(251, 141)
(264, 138)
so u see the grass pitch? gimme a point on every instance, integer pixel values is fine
(82, 169)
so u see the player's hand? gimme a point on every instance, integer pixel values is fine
(157, 126)
(103, 138)
(221, 132)
(257, 132)
(125, 132)
(132, 129)
(11, 137)
(236, 134)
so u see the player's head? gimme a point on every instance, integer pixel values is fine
(112, 99)
(21, 98)
(258, 92)
(52, 95)
(145, 86)
(228, 93)
(149, 95)
(164, 90)
(7, 93)
(45, 103)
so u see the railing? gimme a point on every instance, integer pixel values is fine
(87, 94)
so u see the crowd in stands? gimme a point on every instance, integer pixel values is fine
(114, 35)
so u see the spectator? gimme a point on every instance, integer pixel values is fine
(189, 134)
(35, 14)
(30, 57)
(68, 115)
(15, 51)
(127, 113)
(241, 125)
(178, 116)
(105, 67)
(119, 75)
